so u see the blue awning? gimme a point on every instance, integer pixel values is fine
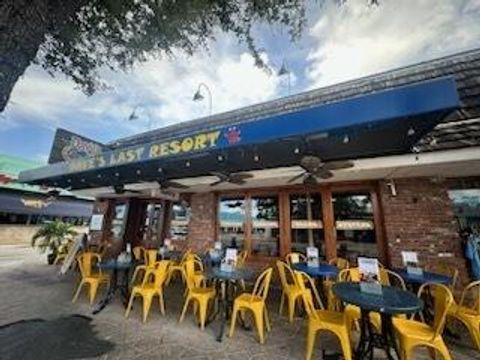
(379, 123)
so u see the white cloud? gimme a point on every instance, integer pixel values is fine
(160, 90)
(355, 40)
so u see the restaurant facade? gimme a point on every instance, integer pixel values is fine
(371, 167)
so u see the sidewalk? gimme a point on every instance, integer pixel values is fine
(38, 321)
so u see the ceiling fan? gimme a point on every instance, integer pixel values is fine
(315, 169)
(121, 190)
(165, 184)
(232, 178)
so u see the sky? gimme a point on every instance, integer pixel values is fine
(339, 43)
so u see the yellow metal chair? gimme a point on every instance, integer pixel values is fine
(152, 285)
(149, 261)
(86, 261)
(200, 295)
(321, 319)
(340, 263)
(290, 290)
(256, 303)
(295, 257)
(412, 333)
(469, 315)
(177, 267)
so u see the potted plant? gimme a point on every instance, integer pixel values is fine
(50, 237)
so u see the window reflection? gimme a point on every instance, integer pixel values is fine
(232, 222)
(355, 227)
(306, 222)
(265, 226)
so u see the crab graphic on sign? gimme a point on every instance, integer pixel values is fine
(233, 135)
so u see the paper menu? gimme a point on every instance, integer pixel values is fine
(410, 258)
(231, 256)
(369, 272)
(410, 261)
(312, 256)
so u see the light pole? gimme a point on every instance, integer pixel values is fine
(285, 71)
(199, 97)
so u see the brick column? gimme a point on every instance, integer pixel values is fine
(420, 218)
(202, 225)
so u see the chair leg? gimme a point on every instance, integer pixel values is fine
(161, 302)
(345, 344)
(79, 288)
(93, 291)
(147, 303)
(233, 320)
(292, 302)
(258, 315)
(129, 306)
(202, 308)
(474, 334)
(184, 311)
(443, 350)
(311, 335)
(267, 320)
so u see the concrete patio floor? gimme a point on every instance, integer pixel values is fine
(38, 321)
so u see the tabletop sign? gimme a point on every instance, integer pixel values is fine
(229, 261)
(96, 222)
(312, 256)
(218, 245)
(369, 275)
(410, 261)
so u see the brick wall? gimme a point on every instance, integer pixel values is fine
(202, 224)
(420, 218)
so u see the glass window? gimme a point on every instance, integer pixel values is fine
(265, 226)
(466, 206)
(354, 224)
(306, 222)
(179, 222)
(232, 222)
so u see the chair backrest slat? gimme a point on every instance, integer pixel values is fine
(442, 300)
(262, 284)
(309, 293)
(351, 274)
(472, 290)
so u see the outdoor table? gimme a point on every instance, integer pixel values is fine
(230, 280)
(115, 266)
(319, 272)
(426, 277)
(392, 301)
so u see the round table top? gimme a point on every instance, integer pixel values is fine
(393, 300)
(424, 278)
(235, 274)
(322, 270)
(113, 264)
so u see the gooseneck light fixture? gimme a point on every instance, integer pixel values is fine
(199, 97)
